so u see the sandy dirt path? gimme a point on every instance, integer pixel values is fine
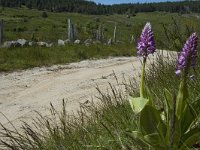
(21, 93)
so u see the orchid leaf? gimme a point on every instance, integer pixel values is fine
(138, 103)
(181, 99)
(149, 120)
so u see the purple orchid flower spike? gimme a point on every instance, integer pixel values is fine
(187, 58)
(146, 43)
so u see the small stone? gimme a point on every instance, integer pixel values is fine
(61, 43)
(22, 42)
(77, 41)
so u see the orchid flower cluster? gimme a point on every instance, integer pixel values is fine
(146, 43)
(174, 127)
(188, 55)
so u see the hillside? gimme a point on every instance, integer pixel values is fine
(88, 7)
(83, 55)
(29, 24)
(170, 29)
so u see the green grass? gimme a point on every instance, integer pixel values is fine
(23, 58)
(29, 24)
(106, 125)
(23, 23)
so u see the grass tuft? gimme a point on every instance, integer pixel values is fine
(105, 124)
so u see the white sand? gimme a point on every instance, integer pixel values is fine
(21, 93)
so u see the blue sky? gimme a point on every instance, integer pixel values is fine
(128, 1)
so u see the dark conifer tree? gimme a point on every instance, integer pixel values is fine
(88, 7)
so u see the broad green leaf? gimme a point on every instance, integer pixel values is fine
(181, 98)
(149, 120)
(137, 104)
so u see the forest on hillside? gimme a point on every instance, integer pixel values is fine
(88, 7)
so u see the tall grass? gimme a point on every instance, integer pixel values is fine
(95, 126)
(103, 125)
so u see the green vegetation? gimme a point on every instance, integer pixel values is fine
(104, 126)
(109, 124)
(23, 58)
(175, 126)
(30, 25)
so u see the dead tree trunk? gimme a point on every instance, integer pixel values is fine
(115, 32)
(70, 31)
(1, 31)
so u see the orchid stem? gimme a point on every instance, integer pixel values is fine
(142, 78)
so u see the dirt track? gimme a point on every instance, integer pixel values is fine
(21, 93)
